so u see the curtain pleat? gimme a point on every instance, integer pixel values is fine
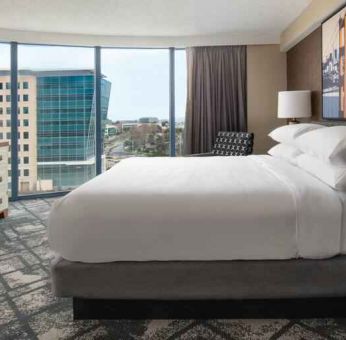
(216, 95)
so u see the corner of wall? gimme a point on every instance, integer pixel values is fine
(308, 21)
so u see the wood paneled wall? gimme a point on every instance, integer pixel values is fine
(304, 69)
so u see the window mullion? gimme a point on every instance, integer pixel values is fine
(98, 118)
(14, 120)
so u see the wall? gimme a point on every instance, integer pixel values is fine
(309, 20)
(304, 69)
(234, 38)
(266, 75)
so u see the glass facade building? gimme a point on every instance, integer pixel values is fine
(66, 127)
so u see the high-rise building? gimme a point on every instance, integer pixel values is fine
(66, 127)
(27, 127)
(56, 127)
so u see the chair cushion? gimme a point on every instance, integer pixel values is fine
(233, 144)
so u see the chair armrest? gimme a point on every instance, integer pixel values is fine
(207, 154)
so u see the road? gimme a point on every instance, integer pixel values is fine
(117, 150)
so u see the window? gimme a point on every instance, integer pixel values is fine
(137, 84)
(60, 110)
(61, 141)
(26, 172)
(18, 110)
(1, 123)
(1, 111)
(1, 86)
(1, 135)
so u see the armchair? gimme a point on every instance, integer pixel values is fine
(231, 144)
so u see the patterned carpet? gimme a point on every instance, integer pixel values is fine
(29, 311)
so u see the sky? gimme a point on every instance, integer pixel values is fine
(140, 78)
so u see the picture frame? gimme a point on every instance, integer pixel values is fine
(334, 66)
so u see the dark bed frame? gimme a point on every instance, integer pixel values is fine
(86, 309)
(208, 289)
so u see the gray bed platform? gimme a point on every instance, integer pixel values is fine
(280, 288)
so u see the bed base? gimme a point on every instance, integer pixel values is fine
(203, 289)
(85, 309)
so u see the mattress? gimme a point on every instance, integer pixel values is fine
(199, 209)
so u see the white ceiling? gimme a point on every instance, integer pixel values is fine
(151, 18)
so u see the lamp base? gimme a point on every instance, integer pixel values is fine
(292, 121)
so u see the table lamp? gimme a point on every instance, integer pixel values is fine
(293, 105)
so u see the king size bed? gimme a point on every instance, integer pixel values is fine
(256, 233)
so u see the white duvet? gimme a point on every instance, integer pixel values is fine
(207, 208)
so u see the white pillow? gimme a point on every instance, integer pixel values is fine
(286, 152)
(288, 133)
(328, 144)
(332, 175)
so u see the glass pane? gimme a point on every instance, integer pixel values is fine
(5, 107)
(56, 117)
(138, 116)
(180, 99)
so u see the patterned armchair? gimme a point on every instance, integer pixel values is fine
(231, 144)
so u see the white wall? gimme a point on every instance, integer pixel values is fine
(245, 38)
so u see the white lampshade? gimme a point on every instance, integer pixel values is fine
(294, 104)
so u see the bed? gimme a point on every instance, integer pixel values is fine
(212, 231)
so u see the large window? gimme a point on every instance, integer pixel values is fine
(56, 117)
(55, 111)
(138, 119)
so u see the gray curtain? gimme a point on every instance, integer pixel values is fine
(216, 95)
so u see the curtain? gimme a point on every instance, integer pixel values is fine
(216, 95)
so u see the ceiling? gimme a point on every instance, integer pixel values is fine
(151, 18)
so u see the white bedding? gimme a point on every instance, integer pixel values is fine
(207, 208)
